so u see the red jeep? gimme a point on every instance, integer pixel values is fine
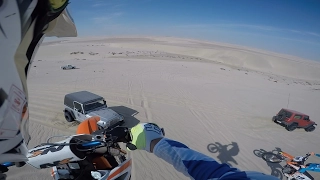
(292, 119)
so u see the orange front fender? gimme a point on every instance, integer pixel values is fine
(88, 126)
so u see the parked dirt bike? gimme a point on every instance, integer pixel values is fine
(91, 154)
(294, 168)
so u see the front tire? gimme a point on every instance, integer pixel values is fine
(292, 127)
(310, 128)
(68, 116)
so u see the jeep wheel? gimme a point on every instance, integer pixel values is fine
(292, 127)
(310, 128)
(68, 116)
(274, 118)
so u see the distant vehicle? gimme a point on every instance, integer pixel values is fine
(69, 66)
(293, 119)
(82, 105)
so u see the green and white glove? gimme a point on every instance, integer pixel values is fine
(143, 134)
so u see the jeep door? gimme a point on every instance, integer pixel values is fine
(78, 111)
(305, 121)
(299, 119)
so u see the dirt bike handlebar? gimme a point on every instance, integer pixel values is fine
(306, 157)
(106, 137)
(101, 138)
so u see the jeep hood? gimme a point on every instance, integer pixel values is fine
(107, 115)
(313, 122)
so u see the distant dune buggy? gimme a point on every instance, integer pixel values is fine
(293, 119)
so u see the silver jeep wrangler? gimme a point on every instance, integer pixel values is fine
(82, 105)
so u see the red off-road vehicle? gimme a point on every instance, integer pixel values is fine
(293, 119)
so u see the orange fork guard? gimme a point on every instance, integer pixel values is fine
(88, 126)
(287, 155)
(290, 158)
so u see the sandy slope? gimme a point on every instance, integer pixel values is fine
(200, 92)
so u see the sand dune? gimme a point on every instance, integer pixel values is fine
(204, 94)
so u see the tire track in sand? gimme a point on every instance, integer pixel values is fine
(130, 99)
(145, 103)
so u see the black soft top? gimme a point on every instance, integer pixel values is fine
(83, 97)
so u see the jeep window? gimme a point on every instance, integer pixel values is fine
(78, 106)
(94, 105)
(285, 113)
(288, 114)
(297, 117)
(306, 118)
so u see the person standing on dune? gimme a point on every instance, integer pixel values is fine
(23, 26)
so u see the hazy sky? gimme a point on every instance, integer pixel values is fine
(284, 26)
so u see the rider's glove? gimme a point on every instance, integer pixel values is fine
(142, 135)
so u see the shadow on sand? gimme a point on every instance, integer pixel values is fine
(128, 114)
(276, 168)
(226, 152)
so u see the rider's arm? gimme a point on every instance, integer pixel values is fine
(199, 166)
(317, 155)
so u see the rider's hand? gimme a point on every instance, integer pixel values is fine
(145, 136)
